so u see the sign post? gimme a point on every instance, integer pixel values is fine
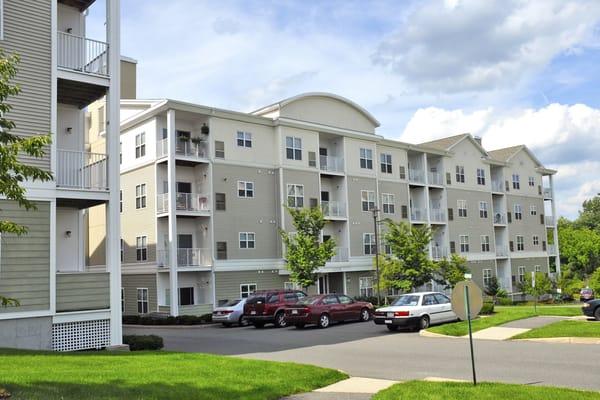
(533, 286)
(468, 312)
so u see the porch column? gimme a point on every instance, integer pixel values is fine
(172, 218)
(554, 224)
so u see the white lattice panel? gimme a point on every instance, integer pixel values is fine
(81, 335)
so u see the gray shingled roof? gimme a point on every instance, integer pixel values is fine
(504, 154)
(445, 143)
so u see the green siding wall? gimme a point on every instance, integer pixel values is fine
(131, 283)
(82, 291)
(228, 283)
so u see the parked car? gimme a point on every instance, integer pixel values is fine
(592, 309)
(268, 306)
(416, 310)
(231, 313)
(586, 294)
(323, 309)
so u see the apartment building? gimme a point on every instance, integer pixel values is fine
(64, 305)
(203, 193)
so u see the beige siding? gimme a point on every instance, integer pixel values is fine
(82, 291)
(197, 309)
(27, 32)
(227, 284)
(360, 221)
(473, 225)
(131, 283)
(476, 269)
(310, 181)
(530, 224)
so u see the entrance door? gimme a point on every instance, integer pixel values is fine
(322, 284)
(184, 250)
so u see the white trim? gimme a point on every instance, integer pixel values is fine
(26, 314)
(52, 256)
(78, 316)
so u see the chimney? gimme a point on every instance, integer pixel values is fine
(478, 140)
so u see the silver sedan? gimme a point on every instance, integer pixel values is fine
(231, 313)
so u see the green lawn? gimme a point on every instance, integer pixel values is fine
(501, 316)
(153, 375)
(564, 329)
(484, 391)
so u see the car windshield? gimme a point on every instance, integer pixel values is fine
(231, 303)
(309, 300)
(406, 300)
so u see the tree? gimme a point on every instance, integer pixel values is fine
(492, 288)
(305, 253)
(589, 217)
(12, 172)
(594, 282)
(452, 271)
(579, 250)
(543, 285)
(409, 266)
(568, 283)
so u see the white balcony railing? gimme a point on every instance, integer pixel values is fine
(341, 254)
(331, 164)
(501, 251)
(333, 209)
(439, 252)
(549, 220)
(552, 249)
(505, 283)
(435, 178)
(497, 186)
(82, 170)
(437, 215)
(416, 175)
(547, 193)
(183, 202)
(500, 218)
(80, 54)
(418, 214)
(184, 148)
(195, 257)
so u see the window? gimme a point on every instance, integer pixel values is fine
(345, 299)
(429, 300)
(291, 286)
(369, 246)
(140, 145)
(387, 249)
(122, 300)
(247, 240)
(520, 243)
(483, 209)
(386, 163)
(221, 250)
(293, 148)
(533, 210)
(367, 198)
(515, 181)
(531, 181)
(244, 139)
(142, 300)
(536, 240)
(122, 250)
(388, 203)
(245, 189)
(402, 170)
(220, 203)
(480, 176)
(464, 243)
(537, 268)
(441, 299)
(120, 201)
(366, 158)
(487, 277)
(140, 196)
(186, 296)
(120, 151)
(312, 159)
(141, 248)
(219, 149)
(460, 174)
(521, 274)
(295, 196)
(246, 289)
(365, 286)
(462, 208)
(518, 212)
(101, 119)
(485, 243)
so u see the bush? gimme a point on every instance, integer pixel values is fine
(487, 308)
(143, 342)
(505, 301)
(157, 319)
(370, 299)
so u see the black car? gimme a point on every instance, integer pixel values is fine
(592, 309)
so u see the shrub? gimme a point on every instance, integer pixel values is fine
(487, 308)
(157, 319)
(143, 342)
(370, 299)
(505, 301)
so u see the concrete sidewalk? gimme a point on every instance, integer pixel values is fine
(354, 388)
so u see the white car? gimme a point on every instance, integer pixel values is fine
(416, 310)
(231, 313)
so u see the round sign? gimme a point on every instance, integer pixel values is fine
(459, 299)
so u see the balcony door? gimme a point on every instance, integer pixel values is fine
(184, 200)
(185, 255)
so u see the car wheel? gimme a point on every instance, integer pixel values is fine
(365, 315)
(597, 314)
(299, 326)
(280, 321)
(323, 321)
(392, 328)
(259, 325)
(243, 321)
(423, 322)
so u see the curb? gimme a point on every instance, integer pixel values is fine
(563, 340)
(168, 326)
(425, 333)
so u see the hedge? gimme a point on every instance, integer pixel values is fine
(487, 308)
(143, 342)
(169, 320)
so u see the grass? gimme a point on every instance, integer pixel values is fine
(483, 391)
(503, 315)
(153, 375)
(564, 329)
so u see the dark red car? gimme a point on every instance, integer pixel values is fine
(323, 309)
(268, 306)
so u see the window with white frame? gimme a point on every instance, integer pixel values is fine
(516, 182)
(293, 148)
(365, 286)
(487, 277)
(369, 245)
(367, 198)
(245, 189)
(536, 240)
(120, 201)
(122, 298)
(520, 243)
(483, 209)
(247, 240)
(537, 268)
(140, 145)
(460, 174)
(122, 250)
(140, 196)
(518, 211)
(246, 289)
(141, 248)
(120, 150)
(186, 296)
(386, 163)
(461, 205)
(485, 243)
(480, 176)
(521, 270)
(531, 181)
(295, 195)
(366, 158)
(388, 204)
(464, 243)
(244, 139)
(387, 249)
(533, 209)
(142, 300)
(291, 286)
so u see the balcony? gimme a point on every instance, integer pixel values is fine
(549, 220)
(416, 176)
(190, 202)
(435, 178)
(497, 186)
(505, 283)
(331, 164)
(79, 54)
(341, 254)
(185, 148)
(418, 214)
(547, 193)
(552, 250)
(82, 170)
(438, 252)
(333, 209)
(499, 219)
(187, 258)
(437, 215)
(501, 251)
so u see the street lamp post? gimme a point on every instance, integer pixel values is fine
(376, 227)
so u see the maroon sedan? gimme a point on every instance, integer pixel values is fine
(326, 308)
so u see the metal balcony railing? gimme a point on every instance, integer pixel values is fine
(501, 251)
(83, 55)
(183, 202)
(82, 170)
(547, 193)
(331, 163)
(418, 214)
(497, 186)
(552, 249)
(333, 209)
(416, 175)
(435, 178)
(341, 254)
(437, 215)
(438, 252)
(184, 148)
(549, 220)
(194, 257)
(500, 218)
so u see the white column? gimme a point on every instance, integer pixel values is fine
(345, 283)
(172, 179)
(554, 224)
(113, 230)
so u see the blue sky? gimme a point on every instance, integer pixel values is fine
(510, 71)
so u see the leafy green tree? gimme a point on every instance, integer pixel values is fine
(579, 250)
(589, 217)
(568, 283)
(409, 266)
(493, 288)
(452, 271)
(543, 285)
(594, 281)
(12, 172)
(305, 253)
